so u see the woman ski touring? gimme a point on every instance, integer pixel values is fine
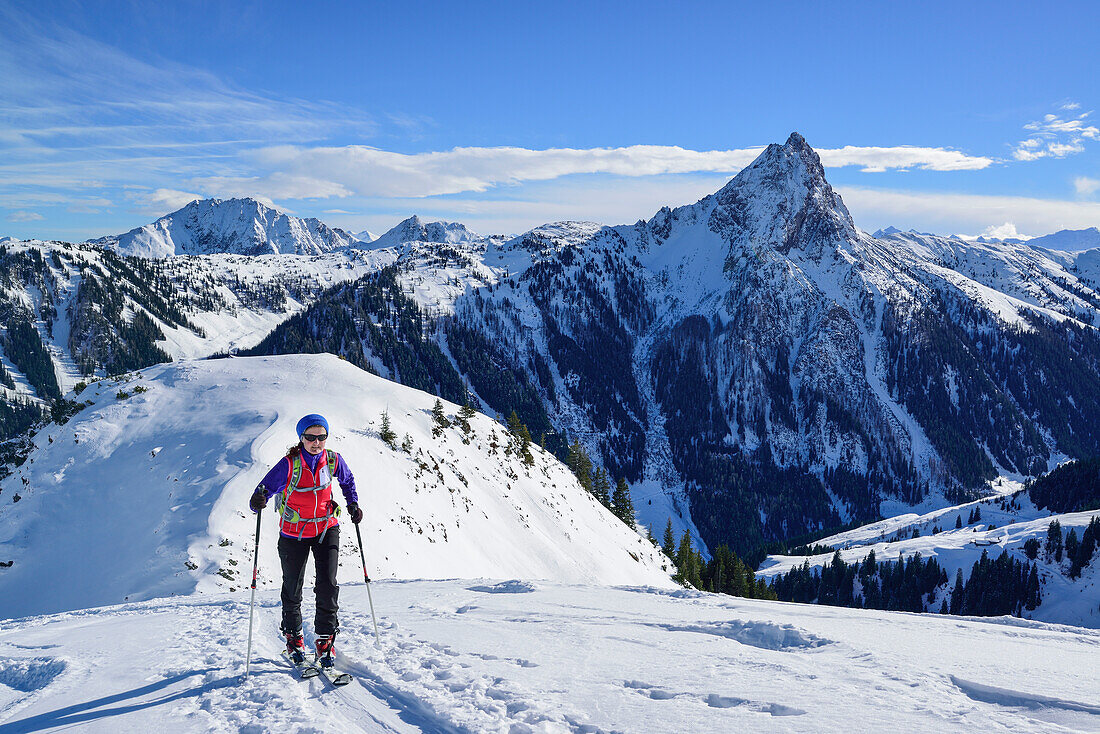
(308, 523)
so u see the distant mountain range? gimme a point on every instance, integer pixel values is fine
(234, 226)
(753, 364)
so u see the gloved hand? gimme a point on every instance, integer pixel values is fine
(354, 512)
(259, 499)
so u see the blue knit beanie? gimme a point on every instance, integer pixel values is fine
(313, 419)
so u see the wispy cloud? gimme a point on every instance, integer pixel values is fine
(23, 216)
(76, 114)
(160, 201)
(1086, 186)
(1057, 137)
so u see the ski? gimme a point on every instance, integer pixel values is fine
(335, 677)
(305, 669)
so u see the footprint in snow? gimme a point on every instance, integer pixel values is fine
(657, 694)
(765, 635)
(506, 587)
(775, 709)
(30, 674)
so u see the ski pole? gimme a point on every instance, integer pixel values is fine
(366, 578)
(252, 604)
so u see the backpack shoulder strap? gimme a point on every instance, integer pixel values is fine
(295, 471)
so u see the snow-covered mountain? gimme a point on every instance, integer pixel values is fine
(758, 358)
(234, 226)
(753, 364)
(153, 478)
(414, 229)
(1069, 240)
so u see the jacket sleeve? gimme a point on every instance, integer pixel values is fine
(275, 481)
(347, 480)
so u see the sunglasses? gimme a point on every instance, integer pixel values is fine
(309, 438)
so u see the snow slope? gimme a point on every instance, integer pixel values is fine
(514, 656)
(145, 495)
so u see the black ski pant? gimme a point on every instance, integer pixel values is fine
(294, 553)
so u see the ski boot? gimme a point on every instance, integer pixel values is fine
(295, 647)
(325, 651)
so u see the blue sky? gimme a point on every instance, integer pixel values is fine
(954, 117)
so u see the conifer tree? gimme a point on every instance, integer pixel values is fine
(958, 521)
(1034, 595)
(1071, 548)
(465, 413)
(686, 562)
(1054, 540)
(621, 503)
(387, 433)
(668, 546)
(439, 420)
(581, 466)
(601, 488)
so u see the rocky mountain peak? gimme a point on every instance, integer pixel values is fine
(782, 200)
(414, 229)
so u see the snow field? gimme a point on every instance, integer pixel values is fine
(517, 656)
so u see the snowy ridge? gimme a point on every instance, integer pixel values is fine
(1069, 240)
(236, 226)
(228, 301)
(197, 437)
(1008, 279)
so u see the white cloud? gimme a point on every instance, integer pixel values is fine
(968, 213)
(1086, 186)
(1056, 137)
(1004, 231)
(24, 216)
(166, 200)
(321, 172)
(877, 160)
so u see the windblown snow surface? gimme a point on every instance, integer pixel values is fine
(507, 599)
(521, 656)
